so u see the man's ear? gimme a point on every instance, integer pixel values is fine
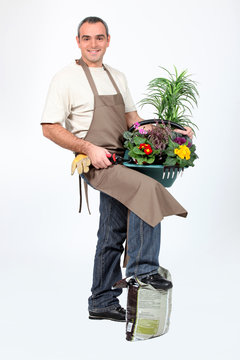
(108, 40)
(78, 41)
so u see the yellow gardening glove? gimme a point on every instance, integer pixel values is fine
(81, 162)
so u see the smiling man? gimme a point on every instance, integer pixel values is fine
(93, 41)
(88, 108)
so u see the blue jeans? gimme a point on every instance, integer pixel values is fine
(143, 251)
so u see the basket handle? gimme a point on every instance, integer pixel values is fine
(152, 121)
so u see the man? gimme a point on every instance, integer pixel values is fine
(92, 100)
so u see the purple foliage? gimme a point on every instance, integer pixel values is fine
(159, 136)
(181, 140)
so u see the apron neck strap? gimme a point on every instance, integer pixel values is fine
(88, 75)
(90, 78)
(112, 80)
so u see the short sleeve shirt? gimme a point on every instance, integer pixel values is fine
(70, 100)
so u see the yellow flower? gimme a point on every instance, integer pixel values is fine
(183, 152)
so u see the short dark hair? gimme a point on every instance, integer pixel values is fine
(92, 20)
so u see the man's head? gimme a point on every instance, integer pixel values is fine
(93, 39)
(93, 20)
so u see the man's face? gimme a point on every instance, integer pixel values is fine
(93, 42)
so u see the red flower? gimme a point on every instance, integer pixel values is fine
(146, 148)
(142, 146)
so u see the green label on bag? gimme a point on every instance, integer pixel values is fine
(148, 327)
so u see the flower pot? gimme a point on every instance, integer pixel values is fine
(166, 175)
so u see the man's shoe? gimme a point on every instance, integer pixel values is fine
(157, 281)
(118, 314)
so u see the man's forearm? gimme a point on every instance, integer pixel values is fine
(132, 117)
(65, 138)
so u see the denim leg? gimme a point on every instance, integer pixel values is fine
(107, 270)
(143, 247)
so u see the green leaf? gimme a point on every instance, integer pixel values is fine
(151, 160)
(127, 135)
(169, 152)
(170, 161)
(139, 140)
(172, 145)
(172, 97)
(137, 151)
(128, 145)
(140, 159)
(131, 154)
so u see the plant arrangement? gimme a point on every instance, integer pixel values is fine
(172, 97)
(160, 146)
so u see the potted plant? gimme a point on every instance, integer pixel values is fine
(172, 97)
(162, 150)
(159, 146)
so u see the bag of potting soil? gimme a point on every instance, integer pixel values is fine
(148, 309)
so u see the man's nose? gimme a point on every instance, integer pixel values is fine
(93, 43)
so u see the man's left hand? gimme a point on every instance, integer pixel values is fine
(188, 132)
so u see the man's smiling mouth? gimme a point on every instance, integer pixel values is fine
(93, 51)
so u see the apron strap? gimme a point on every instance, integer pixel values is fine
(86, 195)
(112, 80)
(90, 78)
(88, 75)
(80, 194)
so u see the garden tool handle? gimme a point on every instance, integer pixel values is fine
(115, 159)
(153, 121)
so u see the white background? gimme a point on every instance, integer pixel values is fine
(47, 248)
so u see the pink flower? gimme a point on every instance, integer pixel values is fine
(136, 125)
(142, 131)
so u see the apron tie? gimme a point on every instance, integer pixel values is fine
(86, 195)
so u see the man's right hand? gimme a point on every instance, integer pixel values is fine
(98, 156)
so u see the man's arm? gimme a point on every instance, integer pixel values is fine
(64, 138)
(132, 117)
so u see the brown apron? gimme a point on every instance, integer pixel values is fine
(141, 194)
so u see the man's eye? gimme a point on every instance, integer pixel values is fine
(100, 38)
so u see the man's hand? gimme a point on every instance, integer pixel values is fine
(188, 132)
(67, 140)
(98, 156)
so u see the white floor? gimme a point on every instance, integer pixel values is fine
(45, 279)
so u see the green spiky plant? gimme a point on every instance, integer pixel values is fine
(173, 97)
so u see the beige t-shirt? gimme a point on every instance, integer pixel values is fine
(70, 100)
